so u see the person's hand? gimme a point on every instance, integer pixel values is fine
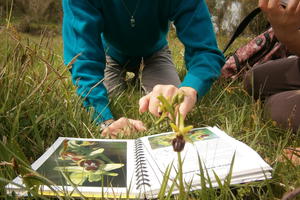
(282, 18)
(123, 126)
(285, 21)
(229, 70)
(150, 102)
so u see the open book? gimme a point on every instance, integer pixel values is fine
(135, 168)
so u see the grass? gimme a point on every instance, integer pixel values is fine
(38, 104)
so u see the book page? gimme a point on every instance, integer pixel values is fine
(213, 151)
(214, 148)
(88, 167)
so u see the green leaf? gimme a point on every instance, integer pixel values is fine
(218, 180)
(165, 181)
(93, 177)
(97, 152)
(32, 181)
(78, 178)
(70, 169)
(229, 176)
(109, 167)
(111, 174)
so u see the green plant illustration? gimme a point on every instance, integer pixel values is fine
(201, 134)
(87, 162)
(194, 136)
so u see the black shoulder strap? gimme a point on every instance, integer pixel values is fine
(241, 27)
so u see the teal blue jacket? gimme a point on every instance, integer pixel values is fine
(93, 28)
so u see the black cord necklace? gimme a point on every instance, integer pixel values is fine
(132, 18)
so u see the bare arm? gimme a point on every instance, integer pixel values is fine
(285, 21)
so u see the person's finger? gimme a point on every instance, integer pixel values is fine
(228, 72)
(292, 6)
(154, 102)
(169, 91)
(187, 105)
(120, 123)
(104, 133)
(108, 133)
(131, 126)
(184, 108)
(138, 125)
(190, 99)
(144, 103)
(113, 129)
(298, 8)
(263, 4)
(274, 4)
(154, 105)
(123, 126)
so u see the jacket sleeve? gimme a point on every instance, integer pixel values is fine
(194, 28)
(82, 28)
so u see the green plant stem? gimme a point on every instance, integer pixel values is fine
(180, 177)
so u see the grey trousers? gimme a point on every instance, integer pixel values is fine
(156, 69)
(278, 83)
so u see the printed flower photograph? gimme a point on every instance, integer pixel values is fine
(194, 135)
(87, 163)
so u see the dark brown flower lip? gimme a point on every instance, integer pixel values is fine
(90, 165)
(178, 143)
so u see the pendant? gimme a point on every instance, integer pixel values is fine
(132, 22)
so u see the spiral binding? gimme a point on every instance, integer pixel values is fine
(141, 171)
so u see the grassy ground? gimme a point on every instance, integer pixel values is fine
(38, 104)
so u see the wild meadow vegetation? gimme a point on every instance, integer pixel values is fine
(38, 103)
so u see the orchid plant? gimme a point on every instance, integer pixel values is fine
(170, 110)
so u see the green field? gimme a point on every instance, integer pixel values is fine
(38, 103)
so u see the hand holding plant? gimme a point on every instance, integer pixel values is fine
(150, 102)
